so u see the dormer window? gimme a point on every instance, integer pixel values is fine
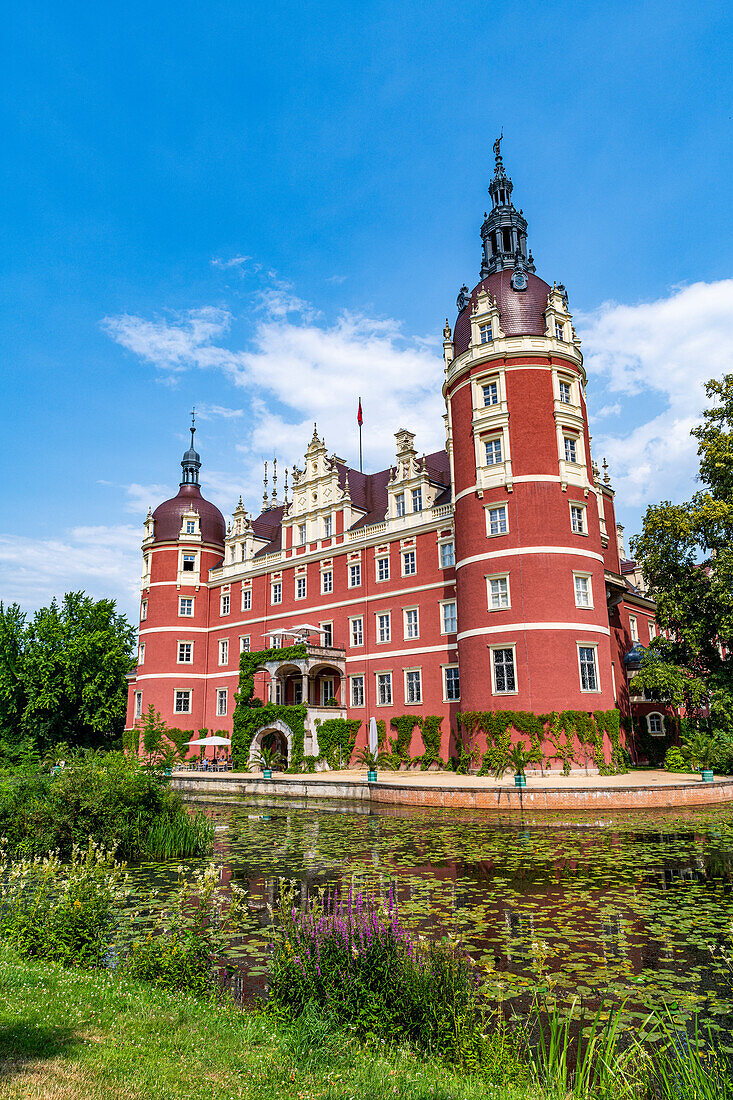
(302, 534)
(491, 393)
(486, 334)
(417, 500)
(327, 527)
(559, 331)
(565, 393)
(190, 527)
(493, 451)
(399, 501)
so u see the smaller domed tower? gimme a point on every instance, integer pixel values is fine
(533, 625)
(184, 539)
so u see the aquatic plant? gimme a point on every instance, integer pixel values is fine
(180, 837)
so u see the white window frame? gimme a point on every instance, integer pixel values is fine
(494, 649)
(564, 385)
(189, 699)
(407, 611)
(221, 697)
(417, 499)
(446, 698)
(246, 599)
(660, 716)
(383, 559)
(496, 508)
(301, 588)
(633, 628)
(388, 675)
(223, 652)
(354, 571)
(498, 577)
(443, 605)
(143, 610)
(354, 631)
(326, 628)
(400, 505)
(186, 660)
(326, 582)
(413, 672)
(245, 643)
(141, 653)
(587, 577)
(225, 604)
(302, 534)
(594, 646)
(447, 544)
(571, 441)
(357, 678)
(493, 441)
(185, 614)
(190, 526)
(276, 587)
(378, 615)
(328, 526)
(560, 331)
(405, 555)
(137, 708)
(583, 508)
(188, 556)
(485, 332)
(652, 629)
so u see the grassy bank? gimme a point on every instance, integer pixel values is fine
(80, 1035)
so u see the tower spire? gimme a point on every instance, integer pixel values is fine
(504, 232)
(191, 461)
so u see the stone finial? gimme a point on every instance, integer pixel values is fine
(606, 478)
(446, 330)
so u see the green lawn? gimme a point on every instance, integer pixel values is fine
(75, 1035)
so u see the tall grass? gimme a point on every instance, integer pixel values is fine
(180, 837)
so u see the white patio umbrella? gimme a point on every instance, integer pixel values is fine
(373, 735)
(211, 741)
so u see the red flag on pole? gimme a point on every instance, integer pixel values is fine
(359, 417)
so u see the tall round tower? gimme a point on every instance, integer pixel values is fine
(184, 539)
(533, 629)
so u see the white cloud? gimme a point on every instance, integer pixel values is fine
(141, 497)
(103, 561)
(652, 354)
(606, 410)
(235, 261)
(211, 412)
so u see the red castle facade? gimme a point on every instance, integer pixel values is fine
(489, 575)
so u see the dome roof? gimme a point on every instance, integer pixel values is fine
(168, 516)
(522, 311)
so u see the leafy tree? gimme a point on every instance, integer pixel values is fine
(63, 672)
(686, 555)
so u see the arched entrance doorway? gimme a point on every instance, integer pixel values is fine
(274, 735)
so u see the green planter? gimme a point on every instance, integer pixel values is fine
(372, 776)
(267, 773)
(520, 780)
(707, 775)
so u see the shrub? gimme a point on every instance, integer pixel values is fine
(674, 761)
(61, 912)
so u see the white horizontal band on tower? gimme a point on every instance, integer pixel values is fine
(581, 628)
(516, 551)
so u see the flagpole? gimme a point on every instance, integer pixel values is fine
(361, 460)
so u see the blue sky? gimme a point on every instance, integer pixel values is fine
(266, 209)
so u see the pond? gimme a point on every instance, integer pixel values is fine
(626, 909)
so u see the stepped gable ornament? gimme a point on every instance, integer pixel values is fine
(464, 297)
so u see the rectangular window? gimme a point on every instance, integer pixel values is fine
(409, 563)
(384, 627)
(277, 592)
(183, 702)
(412, 625)
(138, 712)
(302, 534)
(225, 602)
(143, 610)
(452, 684)
(652, 630)
(382, 569)
(221, 702)
(571, 449)
(246, 599)
(447, 555)
(559, 331)
(399, 501)
(189, 563)
(634, 628)
(498, 593)
(577, 519)
(417, 500)
(300, 588)
(497, 520)
(327, 634)
(582, 591)
(354, 576)
(503, 668)
(413, 687)
(357, 631)
(141, 654)
(190, 526)
(450, 617)
(357, 691)
(326, 581)
(565, 393)
(384, 689)
(588, 668)
(185, 653)
(491, 393)
(185, 607)
(223, 651)
(485, 333)
(244, 643)
(656, 728)
(493, 451)
(327, 527)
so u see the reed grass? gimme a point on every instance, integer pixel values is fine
(180, 837)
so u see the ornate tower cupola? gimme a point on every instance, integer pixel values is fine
(504, 232)
(191, 461)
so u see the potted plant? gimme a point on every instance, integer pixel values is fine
(370, 760)
(268, 758)
(705, 750)
(519, 758)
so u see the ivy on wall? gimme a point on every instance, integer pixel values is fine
(250, 714)
(432, 735)
(336, 740)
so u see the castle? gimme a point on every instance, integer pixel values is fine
(489, 575)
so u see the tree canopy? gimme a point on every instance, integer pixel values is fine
(686, 556)
(62, 674)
